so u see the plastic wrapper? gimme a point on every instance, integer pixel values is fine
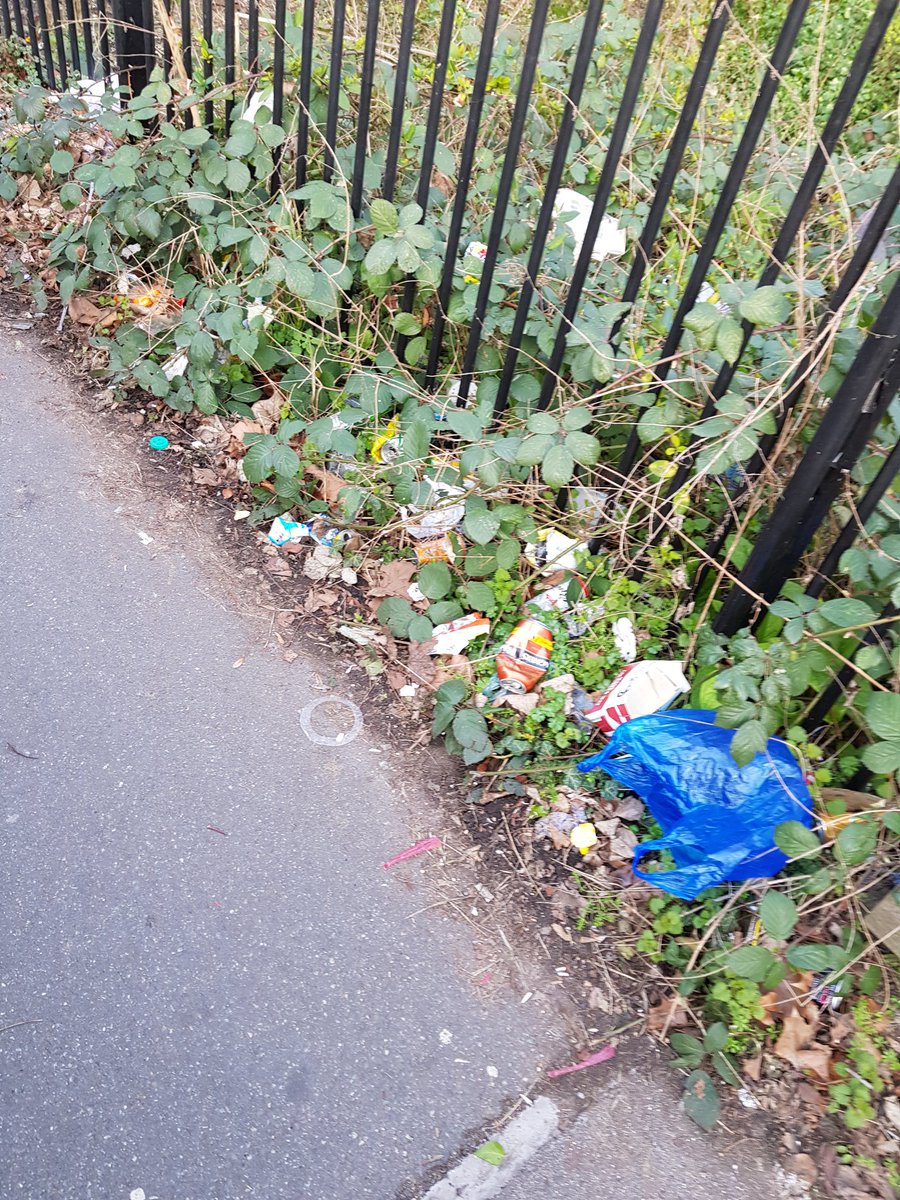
(718, 819)
(453, 636)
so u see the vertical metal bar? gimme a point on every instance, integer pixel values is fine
(306, 57)
(17, 16)
(739, 163)
(5, 18)
(32, 37)
(865, 248)
(103, 30)
(373, 8)
(858, 405)
(583, 58)
(167, 59)
(335, 71)
(467, 158)
(73, 36)
(666, 181)
(504, 188)
(863, 510)
(398, 107)
(60, 43)
(230, 66)
(208, 111)
(856, 76)
(118, 28)
(45, 42)
(252, 45)
(278, 88)
(134, 63)
(429, 145)
(149, 37)
(88, 38)
(601, 198)
(831, 693)
(187, 61)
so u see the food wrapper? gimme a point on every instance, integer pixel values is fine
(641, 689)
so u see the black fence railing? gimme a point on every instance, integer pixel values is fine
(125, 41)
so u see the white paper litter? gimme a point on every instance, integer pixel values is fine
(610, 241)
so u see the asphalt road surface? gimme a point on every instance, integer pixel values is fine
(209, 988)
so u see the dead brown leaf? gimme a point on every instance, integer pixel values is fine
(791, 995)
(267, 412)
(84, 312)
(205, 476)
(396, 677)
(392, 579)
(752, 1067)
(670, 1012)
(422, 667)
(331, 484)
(629, 809)
(795, 1045)
(316, 601)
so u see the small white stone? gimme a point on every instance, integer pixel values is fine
(137, 1194)
(492, 1072)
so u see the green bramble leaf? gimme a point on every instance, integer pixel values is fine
(778, 913)
(765, 306)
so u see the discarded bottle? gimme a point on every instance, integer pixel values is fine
(523, 660)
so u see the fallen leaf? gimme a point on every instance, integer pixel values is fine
(752, 1067)
(561, 932)
(392, 578)
(792, 1045)
(83, 312)
(204, 476)
(332, 484)
(317, 600)
(521, 704)
(422, 667)
(238, 662)
(267, 412)
(395, 677)
(842, 1026)
(808, 1094)
(621, 847)
(671, 1011)
(629, 809)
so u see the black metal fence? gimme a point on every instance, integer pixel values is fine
(126, 40)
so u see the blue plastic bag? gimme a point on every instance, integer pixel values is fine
(718, 819)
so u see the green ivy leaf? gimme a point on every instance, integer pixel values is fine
(381, 256)
(61, 162)
(818, 958)
(558, 466)
(701, 1100)
(729, 340)
(397, 614)
(795, 840)
(406, 324)
(435, 580)
(480, 523)
(466, 424)
(856, 842)
(470, 728)
(420, 629)
(384, 216)
(237, 176)
(882, 715)
(492, 1153)
(765, 306)
(750, 962)
(749, 740)
(583, 447)
(408, 258)
(778, 913)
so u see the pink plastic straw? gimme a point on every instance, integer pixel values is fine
(603, 1055)
(432, 843)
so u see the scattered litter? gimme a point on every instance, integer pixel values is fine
(241, 514)
(556, 599)
(322, 739)
(552, 551)
(20, 753)
(445, 1037)
(584, 837)
(523, 659)
(526, 997)
(386, 447)
(287, 532)
(415, 593)
(747, 1099)
(363, 635)
(453, 636)
(601, 1056)
(718, 819)
(238, 662)
(638, 690)
(491, 1072)
(624, 636)
(487, 896)
(257, 101)
(215, 829)
(709, 295)
(349, 576)
(485, 979)
(429, 843)
(258, 309)
(158, 442)
(438, 550)
(322, 563)
(91, 92)
(145, 537)
(456, 384)
(175, 366)
(408, 691)
(435, 521)
(575, 211)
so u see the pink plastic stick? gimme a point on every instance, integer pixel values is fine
(603, 1055)
(432, 843)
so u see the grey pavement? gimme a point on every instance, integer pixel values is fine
(211, 1016)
